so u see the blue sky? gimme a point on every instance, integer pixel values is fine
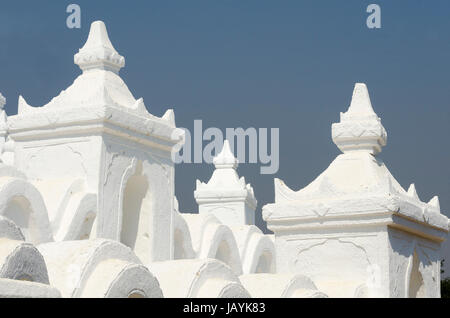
(259, 63)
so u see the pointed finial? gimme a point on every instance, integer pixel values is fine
(360, 104)
(22, 106)
(360, 129)
(169, 116)
(2, 101)
(3, 125)
(3, 116)
(225, 159)
(412, 192)
(98, 52)
(435, 202)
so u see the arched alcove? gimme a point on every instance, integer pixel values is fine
(22, 203)
(178, 248)
(264, 263)
(136, 294)
(22, 261)
(19, 211)
(223, 253)
(136, 214)
(416, 284)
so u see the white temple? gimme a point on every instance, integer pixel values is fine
(87, 208)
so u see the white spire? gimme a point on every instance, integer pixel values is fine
(3, 116)
(2, 101)
(435, 202)
(98, 52)
(225, 159)
(412, 192)
(360, 104)
(225, 192)
(360, 129)
(3, 126)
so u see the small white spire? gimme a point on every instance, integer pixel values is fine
(98, 52)
(3, 126)
(360, 129)
(225, 159)
(435, 202)
(412, 192)
(3, 116)
(2, 101)
(220, 195)
(360, 104)
(169, 116)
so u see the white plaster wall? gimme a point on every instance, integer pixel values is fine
(229, 213)
(148, 200)
(72, 158)
(405, 267)
(337, 261)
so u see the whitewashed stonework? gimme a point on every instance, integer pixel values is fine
(87, 208)
(226, 196)
(90, 152)
(354, 230)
